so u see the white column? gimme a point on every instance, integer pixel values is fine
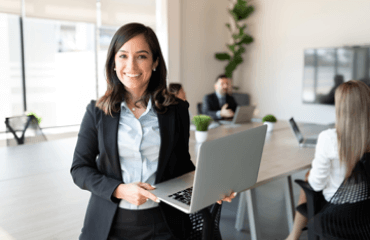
(162, 27)
(174, 41)
(97, 45)
(168, 30)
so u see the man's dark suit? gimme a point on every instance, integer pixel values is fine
(211, 105)
(96, 166)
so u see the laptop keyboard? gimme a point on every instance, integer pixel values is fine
(183, 196)
(310, 141)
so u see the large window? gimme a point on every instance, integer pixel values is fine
(60, 70)
(59, 51)
(11, 99)
(106, 35)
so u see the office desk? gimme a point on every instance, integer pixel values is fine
(281, 157)
(281, 154)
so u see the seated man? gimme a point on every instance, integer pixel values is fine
(219, 105)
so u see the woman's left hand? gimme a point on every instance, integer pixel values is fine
(228, 199)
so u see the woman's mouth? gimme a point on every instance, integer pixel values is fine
(132, 75)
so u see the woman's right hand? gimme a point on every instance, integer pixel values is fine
(135, 193)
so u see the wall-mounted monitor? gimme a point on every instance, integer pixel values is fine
(326, 68)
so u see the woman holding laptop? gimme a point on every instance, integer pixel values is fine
(338, 150)
(133, 137)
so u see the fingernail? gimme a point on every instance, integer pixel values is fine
(154, 186)
(235, 193)
(158, 201)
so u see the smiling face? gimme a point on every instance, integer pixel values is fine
(134, 64)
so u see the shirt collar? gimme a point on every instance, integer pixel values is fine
(219, 95)
(148, 108)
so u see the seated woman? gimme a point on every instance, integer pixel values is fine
(338, 150)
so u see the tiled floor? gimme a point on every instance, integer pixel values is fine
(271, 213)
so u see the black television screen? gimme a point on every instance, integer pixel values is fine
(327, 68)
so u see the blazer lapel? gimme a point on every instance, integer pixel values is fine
(215, 101)
(110, 131)
(166, 124)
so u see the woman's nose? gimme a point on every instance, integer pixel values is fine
(131, 64)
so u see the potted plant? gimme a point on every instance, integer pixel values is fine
(201, 123)
(270, 121)
(35, 120)
(239, 12)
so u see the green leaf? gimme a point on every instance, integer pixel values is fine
(241, 10)
(229, 69)
(245, 40)
(231, 47)
(234, 15)
(239, 52)
(241, 29)
(228, 73)
(222, 56)
(237, 36)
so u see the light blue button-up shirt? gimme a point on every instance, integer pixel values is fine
(138, 148)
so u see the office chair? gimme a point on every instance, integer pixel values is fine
(199, 108)
(23, 130)
(206, 223)
(311, 208)
(347, 215)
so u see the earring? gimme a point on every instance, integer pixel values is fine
(114, 69)
(154, 69)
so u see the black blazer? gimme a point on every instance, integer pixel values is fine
(96, 166)
(211, 105)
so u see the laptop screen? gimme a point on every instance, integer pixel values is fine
(296, 131)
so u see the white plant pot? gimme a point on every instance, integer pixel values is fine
(270, 126)
(201, 136)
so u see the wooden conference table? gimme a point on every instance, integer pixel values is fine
(38, 199)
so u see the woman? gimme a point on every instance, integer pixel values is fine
(338, 150)
(133, 137)
(177, 90)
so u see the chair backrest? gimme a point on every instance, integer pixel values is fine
(23, 130)
(199, 108)
(347, 216)
(206, 223)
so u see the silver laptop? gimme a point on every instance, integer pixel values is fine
(242, 114)
(303, 142)
(225, 165)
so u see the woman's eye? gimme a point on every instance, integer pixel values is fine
(142, 57)
(123, 56)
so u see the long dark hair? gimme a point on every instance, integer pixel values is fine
(156, 88)
(174, 88)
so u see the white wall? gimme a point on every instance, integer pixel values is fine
(203, 33)
(272, 71)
